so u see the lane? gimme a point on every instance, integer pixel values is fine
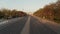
(50, 24)
(11, 20)
(6, 22)
(26, 28)
(28, 25)
(14, 26)
(37, 27)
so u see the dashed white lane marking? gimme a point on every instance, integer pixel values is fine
(10, 21)
(3, 22)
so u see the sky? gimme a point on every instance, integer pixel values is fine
(25, 5)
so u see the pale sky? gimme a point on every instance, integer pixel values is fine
(25, 5)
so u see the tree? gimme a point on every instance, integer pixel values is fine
(50, 12)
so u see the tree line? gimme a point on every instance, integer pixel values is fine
(6, 13)
(50, 12)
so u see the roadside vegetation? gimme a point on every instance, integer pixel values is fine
(8, 14)
(50, 12)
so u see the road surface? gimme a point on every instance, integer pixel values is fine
(29, 25)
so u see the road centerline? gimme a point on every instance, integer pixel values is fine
(26, 27)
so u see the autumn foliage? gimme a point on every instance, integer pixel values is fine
(6, 13)
(50, 12)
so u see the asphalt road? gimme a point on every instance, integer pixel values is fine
(29, 25)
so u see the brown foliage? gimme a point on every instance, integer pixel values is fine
(51, 12)
(11, 13)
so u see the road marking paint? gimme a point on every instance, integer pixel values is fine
(9, 21)
(26, 27)
(3, 22)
